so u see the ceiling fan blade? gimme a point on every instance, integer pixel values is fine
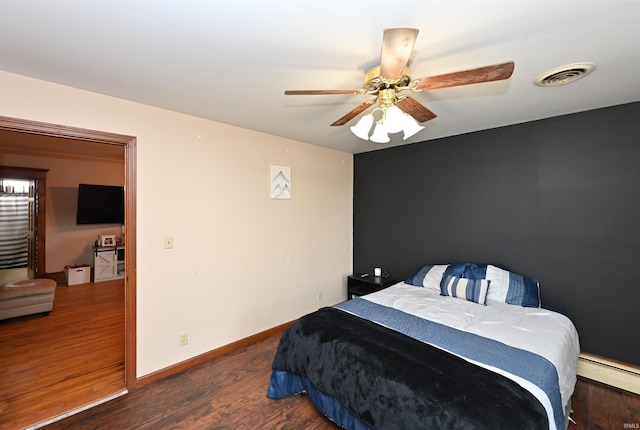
(496, 72)
(353, 113)
(397, 44)
(415, 109)
(319, 92)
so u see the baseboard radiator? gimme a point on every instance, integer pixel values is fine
(609, 372)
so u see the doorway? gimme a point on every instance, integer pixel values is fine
(69, 140)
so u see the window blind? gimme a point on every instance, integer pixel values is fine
(14, 219)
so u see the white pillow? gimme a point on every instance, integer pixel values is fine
(434, 276)
(499, 283)
(509, 287)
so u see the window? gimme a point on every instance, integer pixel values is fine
(14, 223)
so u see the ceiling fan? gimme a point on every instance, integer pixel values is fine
(391, 77)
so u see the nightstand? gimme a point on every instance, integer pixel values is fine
(359, 285)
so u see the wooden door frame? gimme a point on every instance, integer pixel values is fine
(129, 144)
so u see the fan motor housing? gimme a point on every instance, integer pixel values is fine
(373, 82)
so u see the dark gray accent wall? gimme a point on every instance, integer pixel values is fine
(557, 199)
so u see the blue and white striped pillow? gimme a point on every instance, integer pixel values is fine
(473, 290)
(428, 276)
(509, 287)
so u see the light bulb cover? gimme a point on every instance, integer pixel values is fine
(394, 119)
(380, 134)
(411, 127)
(362, 128)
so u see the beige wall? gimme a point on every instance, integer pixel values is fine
(66, 242)
(241, 262)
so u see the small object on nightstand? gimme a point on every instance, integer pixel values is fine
(360, 285)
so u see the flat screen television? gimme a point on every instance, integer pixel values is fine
(100, 204)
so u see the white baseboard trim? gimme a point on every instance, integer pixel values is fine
(609, 372)
(78, 410)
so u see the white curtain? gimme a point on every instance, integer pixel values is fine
(14, 219)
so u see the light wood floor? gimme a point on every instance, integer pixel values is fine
(71, 357)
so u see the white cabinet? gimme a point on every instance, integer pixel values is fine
(108, 263)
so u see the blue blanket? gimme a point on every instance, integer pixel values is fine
(527, 365)
(381, 378)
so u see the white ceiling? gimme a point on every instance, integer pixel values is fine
(230, 61)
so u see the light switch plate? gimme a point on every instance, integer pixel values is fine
(168, 242)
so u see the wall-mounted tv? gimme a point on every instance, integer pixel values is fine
(100, 204)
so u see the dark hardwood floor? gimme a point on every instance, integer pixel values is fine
(226, 392)
(69, 358)
(601, 407)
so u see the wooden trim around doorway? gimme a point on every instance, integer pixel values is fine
(129, 143)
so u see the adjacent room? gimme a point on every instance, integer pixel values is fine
(255, 168)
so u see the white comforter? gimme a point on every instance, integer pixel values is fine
(546, 333)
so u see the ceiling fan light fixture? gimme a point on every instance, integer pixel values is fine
(389, 120)
(411, 127)
(392, 76)
(362, 128)
(394, 119)
(380, 134)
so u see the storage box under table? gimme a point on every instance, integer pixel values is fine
(78, 274)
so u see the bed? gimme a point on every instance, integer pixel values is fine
(454, 346)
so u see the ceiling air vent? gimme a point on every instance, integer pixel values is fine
(564, 74)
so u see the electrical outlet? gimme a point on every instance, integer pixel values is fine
(184, 339)
(319, 296)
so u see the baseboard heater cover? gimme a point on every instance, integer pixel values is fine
(609, 372)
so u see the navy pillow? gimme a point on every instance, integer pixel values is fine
(475, 271)
(523, 291)
(456, 269)
(460, 270)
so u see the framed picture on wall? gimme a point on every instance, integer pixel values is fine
(280, 182)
